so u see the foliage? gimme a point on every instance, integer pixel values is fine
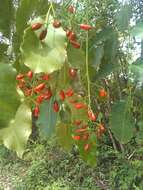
(72, 77)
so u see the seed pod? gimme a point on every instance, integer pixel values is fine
(40, 99)
(36, 111)
(91, 115)
(75, 44)
(81, 130)
(30, 74)
(69, 93)
(79, 106)
(76, 137)
(72, 72)
(56, 106)
(62, 95)
(71, 36)
(47, 94)
(36, 26)
(19, 76)
(85, 27)
(45, 77)
(77, 122)
(102, 93)
(86, 147)
(56, 24)
(39, 88)
(43, 34)
(71, 9)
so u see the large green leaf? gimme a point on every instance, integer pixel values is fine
(47, 119)
(64, 135)
(9, 98)
(121, 121)
(123, 17)
(15, 136)
(49, 57)
(6, 16)
(137, 30)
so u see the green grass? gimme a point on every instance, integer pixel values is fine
(47, 167)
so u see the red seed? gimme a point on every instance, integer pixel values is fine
(76, 137)
(102, 93)
(86, 147)
(45, 77)
(78, 122)
(30, 74)
(71, 9)
(81, 130)
(40, 99)
(43, 34)
(91, 115)
(85, 27)
(62, 95)
(75, 44)
(56, 24)
(36, 26)
(36, 111)
(71, 36)
(48, 94)
(56, 106)
(19, 76)
(79, 105)
(72, 72)
(69, 93)
(39, 88)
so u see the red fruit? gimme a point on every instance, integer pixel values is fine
(85, 27)
(39, 88)
(72, 72)
(19, 76)
(62, 95)
(86, 147)
(102, 93)
(40, 99)
(75, 44)
(36, 26)
(43, 34)
(56, 24)
(45, 77)
(71, 36)
(47, 94)
(76, 137)
(81, 130)
(69, 93)
(56, 106)
(78, 122)
(36, 111)
(102, 128)
(79, 105)
(91, 115)
(71, 9)
(30, 74)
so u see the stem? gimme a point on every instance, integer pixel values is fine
(87, 63)
(52, 8)
(112, 139)
(87, 72)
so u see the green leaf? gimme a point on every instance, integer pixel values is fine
(121, 121)
(137, 30)
(123, 17)
(15, 136)
(47, 119)
(7, 16)
(137, 69)
(63, 133)
(76, 57)
(48, 56)
(9, 98)
(25, 10)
